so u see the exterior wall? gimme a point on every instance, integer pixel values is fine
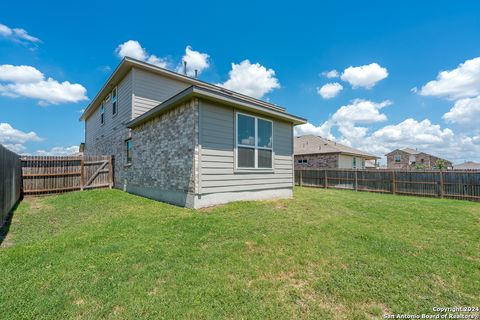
(109, 138)
(150, 90)
(217, 174)
(317, 161)
(163, 159)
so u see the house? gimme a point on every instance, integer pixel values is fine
(409, 158)
(316, 152)
(467, 165)
(187, 142)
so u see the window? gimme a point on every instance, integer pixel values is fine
(363, 163)
(254, 142)
(102, 114)
(129, 150)
(354, 162)
(114, 101)
(398, 158)
(302, 161)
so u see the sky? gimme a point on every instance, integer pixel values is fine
(375, 75)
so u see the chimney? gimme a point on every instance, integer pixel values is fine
(196, 73)
(184, 67)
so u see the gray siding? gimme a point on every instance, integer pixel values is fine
(151, 89)
(217, 160)
(109, 138)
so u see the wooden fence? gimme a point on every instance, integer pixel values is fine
(442, 184)
(10, 181)
(42, 175)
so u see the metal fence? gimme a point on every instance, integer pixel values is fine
(10, 181)
(43, 175)
(442, 184)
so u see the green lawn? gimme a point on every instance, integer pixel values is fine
(326, 254)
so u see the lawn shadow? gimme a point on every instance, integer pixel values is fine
(5, 227)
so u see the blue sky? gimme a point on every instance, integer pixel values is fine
(391, 49)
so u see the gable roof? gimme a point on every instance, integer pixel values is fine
(215, 95)
(310, 144)
(128, 63)
(468, 165)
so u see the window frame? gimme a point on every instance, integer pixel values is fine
(127, 141)
(102, 113)
(255, 147)
(114, 101)
(399, 158)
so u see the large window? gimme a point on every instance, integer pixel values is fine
(398, 158)
(114, 100)
(254, 142)
(129, 150)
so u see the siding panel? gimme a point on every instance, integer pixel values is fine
(217, 138)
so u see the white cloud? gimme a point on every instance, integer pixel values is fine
(8, 134)
(365, 76)
(331, 74)
(360, 111)
(58, 151)
(465, 112)
(330, 90)
(462, 82)
(15, 147)
(251, 79)
(133, 49)
(195, 61)
(27, 81)
(17, 34)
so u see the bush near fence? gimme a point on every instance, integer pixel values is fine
(10, 181)
(442, 184)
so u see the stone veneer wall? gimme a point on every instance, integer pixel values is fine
(315, 161)
(165, 154)
(429, 161)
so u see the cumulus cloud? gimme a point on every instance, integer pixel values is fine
(330, 90)
(251, 79)
(133, 49)
(9, 134)
(18, 148)
(366, 76)
(461, 82)
(465, 112)
(27, 81)
(58, 151)
(17, 35)
(331, 74)
(361, 111)
(195, 61)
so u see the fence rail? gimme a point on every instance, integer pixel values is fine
(442, 184)
(42, 175)
(10, 181)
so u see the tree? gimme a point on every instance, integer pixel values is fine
(440, 164)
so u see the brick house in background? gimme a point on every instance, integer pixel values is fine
(316, 152)
(409, 158)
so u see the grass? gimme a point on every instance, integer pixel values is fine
(325, 254)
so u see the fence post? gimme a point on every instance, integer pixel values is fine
(110, 171)
(82, 176)
(326, 179)
(356, 180)
(394, 183)
(300, 179)
(441, 185)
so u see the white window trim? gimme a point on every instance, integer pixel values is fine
(115, 101)
(102, 113)
(256, 147)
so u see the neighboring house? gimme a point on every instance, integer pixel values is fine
(187, 142)
(411, 159)
(467, 165)
(316, 152)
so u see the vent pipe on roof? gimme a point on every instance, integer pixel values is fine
(196, 73)
(184, 67)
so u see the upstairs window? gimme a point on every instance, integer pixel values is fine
(302, 161)
(254, 142)
(102, 114)
(129, 151)
(354, 163)
(114, 101)
(398, 158)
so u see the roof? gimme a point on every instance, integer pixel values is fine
(411, 151)
(310, 144)
(467, 165)
(128, 63)
(216, 95)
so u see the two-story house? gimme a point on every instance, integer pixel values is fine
(409, 158)
(187, 142)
